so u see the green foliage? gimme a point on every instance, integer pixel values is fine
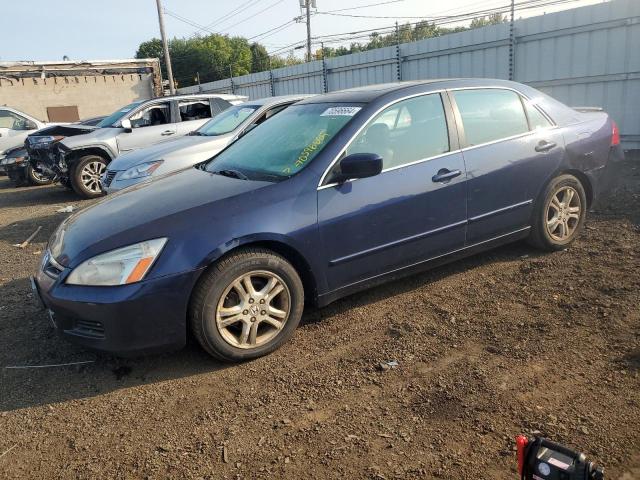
(407, 33)
(215, 56)
(259, 58)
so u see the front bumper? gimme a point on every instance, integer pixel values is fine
(127, 320)
(17, 171)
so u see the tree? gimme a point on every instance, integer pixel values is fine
(493, 19)
(153, 49)
(215, 57)
(259, 58)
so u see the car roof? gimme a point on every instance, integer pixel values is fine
(370, 93)
(224, 96)
(279, 99)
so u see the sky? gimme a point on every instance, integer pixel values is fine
(102, 30)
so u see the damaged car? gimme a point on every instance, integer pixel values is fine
(78, 155)
(211, 138)
(17, 167)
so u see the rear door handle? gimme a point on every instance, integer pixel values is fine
(168, 132)
(444, 175)
(544, 146)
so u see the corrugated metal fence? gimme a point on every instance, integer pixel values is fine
(587, 56)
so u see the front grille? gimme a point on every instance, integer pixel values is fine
(108, 178)
(89, 328)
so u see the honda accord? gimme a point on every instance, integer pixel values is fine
(334, 194)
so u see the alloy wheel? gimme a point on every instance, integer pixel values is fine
(563, 214)
(90, 176)
(253, 310)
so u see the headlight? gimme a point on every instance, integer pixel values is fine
(45, 139)
(118, 267)
(142, 170)
(12, 160)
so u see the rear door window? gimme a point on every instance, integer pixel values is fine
(194, 109)
(490, 114)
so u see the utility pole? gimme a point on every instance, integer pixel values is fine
(165, 45)
(307, 5)
(512, 41)
(308, 30)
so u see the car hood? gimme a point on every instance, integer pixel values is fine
(200, 148)
(64, 130)
(153, 210)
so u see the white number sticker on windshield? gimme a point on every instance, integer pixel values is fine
(340, 111)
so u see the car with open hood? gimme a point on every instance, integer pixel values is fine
(205, 142)
(77, 155)
(335, 194)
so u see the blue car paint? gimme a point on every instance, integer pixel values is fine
(340, 238)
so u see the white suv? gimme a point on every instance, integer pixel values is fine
(78, 155)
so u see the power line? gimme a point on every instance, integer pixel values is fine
(443, 20)
(236, 11)
(251, 16)
(425, 18)
(366, 6)
(274, 30)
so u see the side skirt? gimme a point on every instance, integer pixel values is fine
(330, 297)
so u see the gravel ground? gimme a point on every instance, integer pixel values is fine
(505, 342)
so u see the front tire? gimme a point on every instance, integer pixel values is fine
(247, 305)
(559, 214)
(36, 178)
(85, 176)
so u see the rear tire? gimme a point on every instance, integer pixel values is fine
(247, 305)
(85, 176)
(559, 214)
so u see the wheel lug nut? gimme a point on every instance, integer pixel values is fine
(253, 319)
(245, 312)
(262, 301)
(263, 312)
(251, 300)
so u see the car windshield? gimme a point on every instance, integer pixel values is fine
(227, 121)
(286, 144)
(115, 117)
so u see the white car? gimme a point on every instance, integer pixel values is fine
(77, 155)
(15, 126)
(205, 142)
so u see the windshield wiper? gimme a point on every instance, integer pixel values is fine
(195, 133)
(232, 174)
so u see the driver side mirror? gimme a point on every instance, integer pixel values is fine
(126, 124)
(358, 165)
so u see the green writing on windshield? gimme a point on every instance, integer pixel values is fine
(308, 151)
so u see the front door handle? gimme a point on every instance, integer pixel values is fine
(167, 132)
(444, 175)
(544, 146)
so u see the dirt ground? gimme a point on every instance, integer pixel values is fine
(505, 342)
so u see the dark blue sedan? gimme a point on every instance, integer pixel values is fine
(334, 194)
